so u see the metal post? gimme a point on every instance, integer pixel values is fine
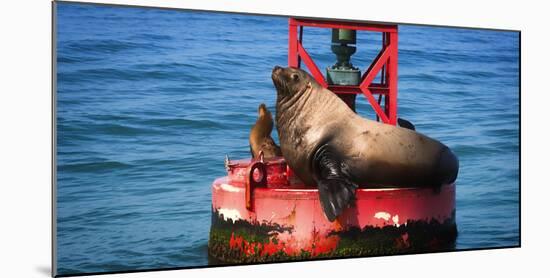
(392, 63)
(292, 43)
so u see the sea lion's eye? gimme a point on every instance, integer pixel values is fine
(295, 77)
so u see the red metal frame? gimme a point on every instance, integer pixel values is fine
(385, 62)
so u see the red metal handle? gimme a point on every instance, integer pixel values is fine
(252, 182)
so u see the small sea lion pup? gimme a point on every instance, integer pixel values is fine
(260, 135)
(326, 144)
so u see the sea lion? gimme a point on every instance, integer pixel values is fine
(326, 144)
(260, 135)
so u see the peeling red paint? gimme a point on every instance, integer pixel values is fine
(318, 246)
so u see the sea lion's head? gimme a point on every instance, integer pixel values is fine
(290, 81)
(262, 111)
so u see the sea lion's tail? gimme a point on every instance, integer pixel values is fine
(336, 191)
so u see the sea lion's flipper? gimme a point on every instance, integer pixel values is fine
(336, 191)
(406, 124)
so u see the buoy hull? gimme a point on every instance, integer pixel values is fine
(287, 222)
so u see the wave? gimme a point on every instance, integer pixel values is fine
(439, 79)
(166, 66)
(151, 37)
(101, 46)
(106, 75)
(152, 191)
(93, 166)
(475, 150)
(121, 130)
(182, 122)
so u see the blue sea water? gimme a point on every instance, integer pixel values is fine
(149, 101)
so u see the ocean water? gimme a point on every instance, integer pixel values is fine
(149, 102)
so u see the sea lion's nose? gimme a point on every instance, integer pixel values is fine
(277, 69)
(447, 169)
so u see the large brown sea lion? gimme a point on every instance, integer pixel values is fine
(325, 143)
(260, 135)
